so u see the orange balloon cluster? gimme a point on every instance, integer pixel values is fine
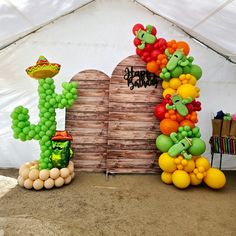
(156, 66)
(173, 46)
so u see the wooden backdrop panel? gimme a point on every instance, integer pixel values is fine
(113, 127)
(87, 121)
(132, 128)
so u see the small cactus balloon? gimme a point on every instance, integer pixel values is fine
(49, 101)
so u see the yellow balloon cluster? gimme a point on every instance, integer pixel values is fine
(184, 86)
(182, 172)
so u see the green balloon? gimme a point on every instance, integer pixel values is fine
(198, 147)
(21, 124)
(196, 71)
(164, 143)
(49, 81)
(42, 165)
(17, 130)
(14, 115)
(26, 130)
(176, 72)
(31, 133)
(50, 166)
(186, 70)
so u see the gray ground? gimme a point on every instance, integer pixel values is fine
(123, 205)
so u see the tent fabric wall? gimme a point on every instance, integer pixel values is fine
(98, 36)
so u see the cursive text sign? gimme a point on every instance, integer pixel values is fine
(140, 78)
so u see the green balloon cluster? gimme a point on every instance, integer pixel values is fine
(49, 101)
(186, 131)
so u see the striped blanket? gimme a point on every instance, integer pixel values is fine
(223, 145)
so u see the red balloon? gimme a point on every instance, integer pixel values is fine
(137, 42)
(139, 52)
(154, 30)
(137, 27)
(160, 111)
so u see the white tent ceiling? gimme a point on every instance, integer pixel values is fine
(211, 22)
(98, 36)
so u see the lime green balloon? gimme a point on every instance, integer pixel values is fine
(176, 72)
(164, 143)
(198, 147)
(196, 71)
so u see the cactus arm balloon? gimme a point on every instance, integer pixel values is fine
(179, 104)
(180, 148)
(174, 60)
(145, 37)
(49, 101)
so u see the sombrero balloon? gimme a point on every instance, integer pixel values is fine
(43, 69)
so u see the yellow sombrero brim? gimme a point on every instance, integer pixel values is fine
(43, 71)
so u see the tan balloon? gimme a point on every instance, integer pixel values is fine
(64, 172)
(21, 169)
(38, 184)
(20, 181)
(25, 173)
(54, 173)
(34, 174)
(44, 174)
(68, 179)
(28, 183)
(59, 182)
(49, 183)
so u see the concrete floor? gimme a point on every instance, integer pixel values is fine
(123, 205)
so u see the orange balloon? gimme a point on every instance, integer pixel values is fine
(152, 66)
(183, 45)
(187, 123)
(167, 126)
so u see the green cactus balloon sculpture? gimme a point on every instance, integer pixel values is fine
(49, 101)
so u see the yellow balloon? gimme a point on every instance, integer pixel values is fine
(189, 167)
(194, 180)
(202, 162)
(166, 177)
(188, 90)
(174, 83)
(181, 179)
(168, 91)
(215, 178)
(166, 162)
(192, 80)
(165, 84)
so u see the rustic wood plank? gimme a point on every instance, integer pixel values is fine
(90, 75)
(124, 144)
(132, 116)
(132, 128)
(87, 121)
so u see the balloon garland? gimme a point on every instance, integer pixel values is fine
(181, 161)
(54, 166)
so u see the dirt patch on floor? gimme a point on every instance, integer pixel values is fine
(123, 205)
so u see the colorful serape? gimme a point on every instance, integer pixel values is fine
(223, 145)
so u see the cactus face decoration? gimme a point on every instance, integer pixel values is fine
(61, 151)
(49, 101)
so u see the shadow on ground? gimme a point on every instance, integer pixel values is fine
(123, 205)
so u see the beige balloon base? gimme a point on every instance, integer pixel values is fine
(31, 177)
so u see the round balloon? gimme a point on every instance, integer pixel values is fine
(215, 178)
(164, 143)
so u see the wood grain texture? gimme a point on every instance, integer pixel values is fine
(113, 127)
(87, 121)
(132, 128)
